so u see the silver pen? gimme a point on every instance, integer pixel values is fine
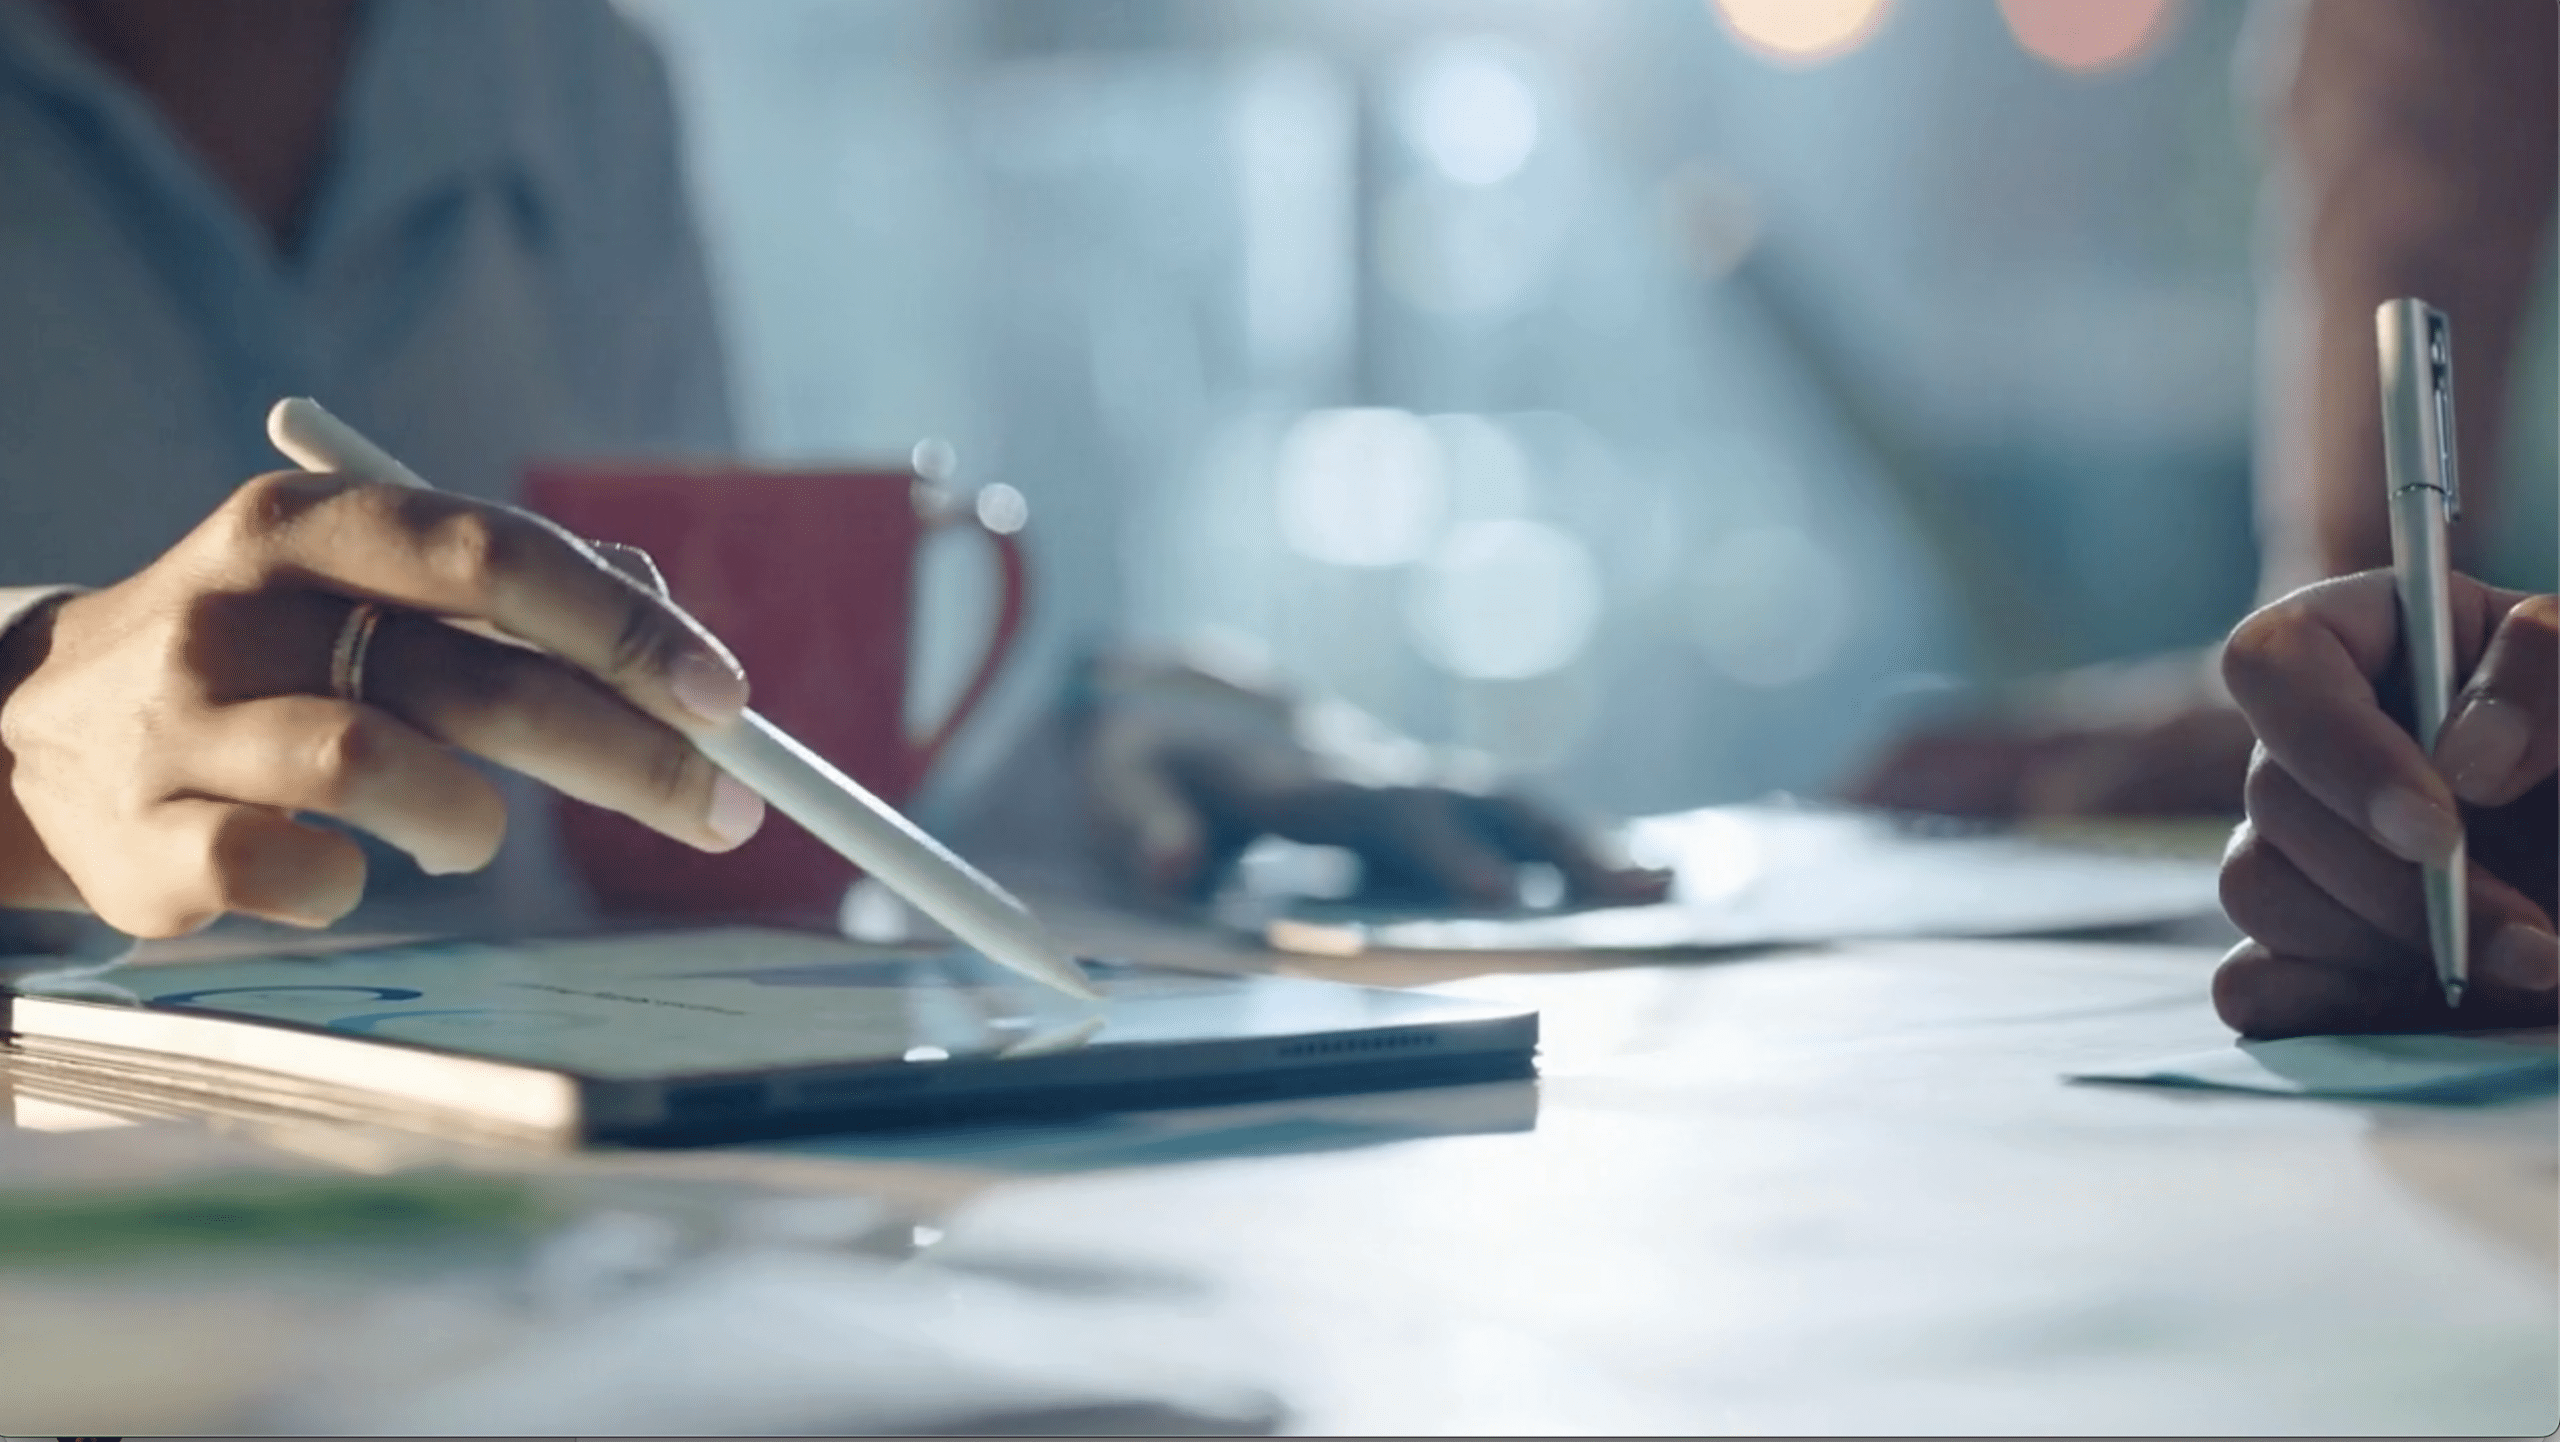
(801, 785)
(2425, 486)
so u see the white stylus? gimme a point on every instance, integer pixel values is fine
(799, 783)
(2416, 345)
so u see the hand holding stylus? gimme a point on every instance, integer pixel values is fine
(291, 656)
(835, 808)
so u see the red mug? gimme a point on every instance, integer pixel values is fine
(809, 576)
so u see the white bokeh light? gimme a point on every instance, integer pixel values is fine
(1360, 487)
(1002, 509)
(1771, 606)
(1504, 600)
(934, 459)
(1468, 108)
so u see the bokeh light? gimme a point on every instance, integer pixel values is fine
(1771, 606)
(1802, 32)
(2088, 35)
(934, 459)
(1469, 109)
(1504, 600)
(1360, 487)
(1002, 509)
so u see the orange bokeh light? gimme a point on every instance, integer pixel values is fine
(1801, 32)
(2088, 35)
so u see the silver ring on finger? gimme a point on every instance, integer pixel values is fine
(347, 657)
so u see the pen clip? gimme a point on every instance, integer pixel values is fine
(2440, 394)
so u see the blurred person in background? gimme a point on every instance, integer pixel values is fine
(462, 225)
(2415, 154)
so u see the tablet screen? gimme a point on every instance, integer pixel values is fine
(748, 999)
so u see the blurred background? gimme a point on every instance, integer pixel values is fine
(1672, 398)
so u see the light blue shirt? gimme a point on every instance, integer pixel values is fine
(498, 263)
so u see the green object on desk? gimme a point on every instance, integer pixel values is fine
(230, 1210)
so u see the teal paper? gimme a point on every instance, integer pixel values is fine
(2366, 1068)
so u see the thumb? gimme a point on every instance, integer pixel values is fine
(2499, 742)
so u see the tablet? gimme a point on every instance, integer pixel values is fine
(712, 1035)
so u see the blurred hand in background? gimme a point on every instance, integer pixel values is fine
(2155, 738)
(1185, 766)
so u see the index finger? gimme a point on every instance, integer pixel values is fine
(2303, 671)
(467, 559)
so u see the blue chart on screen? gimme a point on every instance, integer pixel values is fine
(195, 998)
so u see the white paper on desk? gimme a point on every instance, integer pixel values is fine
(2359, 1068)
(1774, 875)
(773, 1340)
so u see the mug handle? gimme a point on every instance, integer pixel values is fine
(1013, 585)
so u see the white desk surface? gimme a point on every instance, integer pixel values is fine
(1824, 1191)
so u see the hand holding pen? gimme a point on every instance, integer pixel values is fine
(2345, 809)
(2342, 796)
